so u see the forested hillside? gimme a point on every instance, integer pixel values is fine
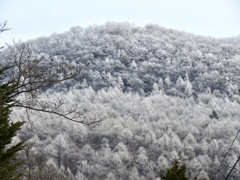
(136, 58)
(155, 88)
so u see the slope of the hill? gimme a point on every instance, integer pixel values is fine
(156, 89)
(138, 58)
(139, 137)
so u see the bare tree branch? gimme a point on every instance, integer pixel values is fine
(3, 26)
(83, 120)
(32, 74)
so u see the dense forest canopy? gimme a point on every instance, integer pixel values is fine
(138, 57)
(156, 89)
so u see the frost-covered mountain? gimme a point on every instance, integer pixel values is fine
(155, 88)
(138, 58)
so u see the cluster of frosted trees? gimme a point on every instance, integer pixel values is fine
(155, 88)
(140, 136)
(142, 56)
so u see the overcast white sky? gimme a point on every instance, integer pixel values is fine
(33, 18)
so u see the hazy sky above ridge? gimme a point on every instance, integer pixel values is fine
(33, 18)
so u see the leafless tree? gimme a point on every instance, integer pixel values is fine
(33, 73)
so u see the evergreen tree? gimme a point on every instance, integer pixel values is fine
(176, 172)
(8, 130)
(214, 115)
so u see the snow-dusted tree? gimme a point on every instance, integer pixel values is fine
(142, 160)
(111, 176)
(155, 88)
(125, 135)
(180, 84)
(36, 166)
(134, 174)
(123, 153)
(168, 82)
